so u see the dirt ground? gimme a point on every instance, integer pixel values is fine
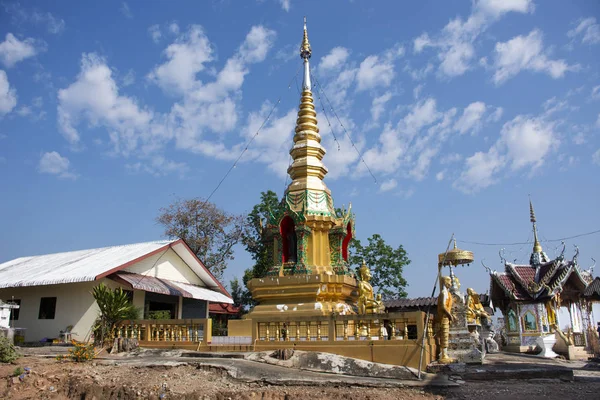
(51, 379)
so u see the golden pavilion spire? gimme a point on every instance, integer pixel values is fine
(307, 170)
(537, 247)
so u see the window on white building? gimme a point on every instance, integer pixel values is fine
(47, 308)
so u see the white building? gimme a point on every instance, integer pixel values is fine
(54, 290)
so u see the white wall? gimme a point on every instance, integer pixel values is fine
(167, 266)
(74, 306)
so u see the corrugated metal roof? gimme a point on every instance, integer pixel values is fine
(171, 288)
(422, 302)
(593, 289)
(72, 266)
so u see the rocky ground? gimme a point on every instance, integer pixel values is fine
(134, 378)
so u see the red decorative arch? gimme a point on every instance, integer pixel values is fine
(287, 229)
(346, 241)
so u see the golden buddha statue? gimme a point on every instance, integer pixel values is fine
(444, 314)
(475, 309)
(367, 304)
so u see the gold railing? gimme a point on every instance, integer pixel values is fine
(396, 326)
(166, 330)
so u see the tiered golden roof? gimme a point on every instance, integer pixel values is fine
(307, 169)
(537, 247)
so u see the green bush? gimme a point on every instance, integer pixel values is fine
(162, 314)
(114, 306)
(18, 371)
(8, 353)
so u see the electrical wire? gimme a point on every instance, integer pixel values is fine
(344, 128)
(250, 141)
(529, 242)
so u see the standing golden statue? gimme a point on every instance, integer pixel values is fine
(475, 311)
(444, 310)
(366, 299)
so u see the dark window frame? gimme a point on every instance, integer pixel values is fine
(47, 308)
(14, 312)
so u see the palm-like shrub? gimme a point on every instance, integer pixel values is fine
(114, 307)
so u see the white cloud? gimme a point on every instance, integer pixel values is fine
(419, 74)
(396, 147)
(54, 164)
(158, 166)
(20, 15)
(13, 50)
(129, 78)
(421, 42)
(596, 157)
(186, 57)
(388, 185)
(174, 28)
(378, 106)
(526, 53)
(258, 42)
(480, 170)
(374, 71)
(524, 142)
(455, 43)
(450, 158)
(595, 92)
(285, 4)
(528, 140)
(8, 95)
(417, 90)
(496, 115)
(588, 29)
(471, 119)
(24, 111)
(155, 33)
(336, 58)
(125, 10)
(440, 175)
(95, 96)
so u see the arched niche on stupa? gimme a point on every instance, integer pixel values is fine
(346, 241)
(289, 240)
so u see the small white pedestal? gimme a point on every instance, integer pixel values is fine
(546, 343)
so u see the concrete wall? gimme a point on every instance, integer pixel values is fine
(74, 306)
(167, 266)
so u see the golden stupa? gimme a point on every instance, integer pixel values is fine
(308, 240)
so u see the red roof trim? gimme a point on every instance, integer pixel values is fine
(164, 248)
(223, 290)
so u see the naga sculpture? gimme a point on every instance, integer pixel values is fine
(367, 304)
(444, 311)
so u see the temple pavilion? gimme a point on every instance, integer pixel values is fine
(530, 297)
(307, 241)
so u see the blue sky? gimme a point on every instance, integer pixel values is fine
(111, 110)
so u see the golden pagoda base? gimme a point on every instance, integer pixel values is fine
(303, 295)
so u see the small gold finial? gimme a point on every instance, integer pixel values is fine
(455, 244)
(305, 50)
(537, 247)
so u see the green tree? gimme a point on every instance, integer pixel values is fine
(210, 232)
(115, 306)
(386, 263)
(253, 239)
(236, 291)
